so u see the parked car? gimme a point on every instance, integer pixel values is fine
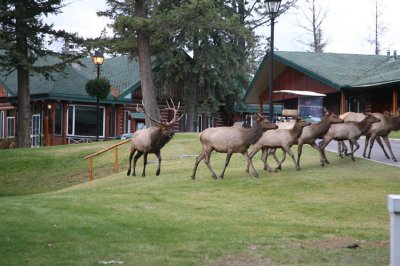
(125, 136)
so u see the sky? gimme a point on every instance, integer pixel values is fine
(346, 27)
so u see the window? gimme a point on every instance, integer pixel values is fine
(58, 120)
(199, 123)
(210, 121)
(82, 120)
(35, 130)
(1, 124)
(10, 127)
(356, 104)
(127, 124)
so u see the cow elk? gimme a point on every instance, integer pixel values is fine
(316, 131)
(281, 138)
(350, 131)
(381, 130)
(230, 140)
(152, 139)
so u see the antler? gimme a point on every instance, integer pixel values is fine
(149, 117)
(175, 110)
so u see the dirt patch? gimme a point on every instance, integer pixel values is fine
(245, 259)
(335, 242)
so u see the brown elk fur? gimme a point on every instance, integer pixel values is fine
(350, 131)
(230, 140)
(151, 140)
(280, 138)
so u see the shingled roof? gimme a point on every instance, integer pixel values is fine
(350, 71)
(122, 73)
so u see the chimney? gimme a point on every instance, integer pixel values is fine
(395, 54)
(388, 52)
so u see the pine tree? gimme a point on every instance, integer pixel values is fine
(23, 37)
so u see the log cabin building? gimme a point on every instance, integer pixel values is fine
(63, 112)
(351, 82)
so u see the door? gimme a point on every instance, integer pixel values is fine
(35, 131)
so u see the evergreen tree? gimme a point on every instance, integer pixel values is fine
(133, 26)
(23, 37)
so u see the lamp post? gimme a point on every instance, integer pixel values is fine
(272, 10)
(98, 60)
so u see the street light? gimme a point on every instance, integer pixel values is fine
(98, 60)
(272, 10)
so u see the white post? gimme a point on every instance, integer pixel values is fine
(394, 210)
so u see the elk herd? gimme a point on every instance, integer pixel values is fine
(268, 137)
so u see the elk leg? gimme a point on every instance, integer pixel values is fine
(159, 163)
(299, 150)
(249, 162)
(368, 140)
(371, 141)
(378, 139)
(144, 163)
(264, 157)
(251, 155)
(198, 160)
(137, 156)
(354, 143)
(339, 148)
(207, 162)
(386, 140)
(322, 144)
(283, 159)
(289, 151)
(228, 158)
(130, 161)
(315, 146)
(344, 149)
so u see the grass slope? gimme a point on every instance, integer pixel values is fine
(307, 217)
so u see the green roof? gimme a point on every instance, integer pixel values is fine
(122, 73)
(335, 70)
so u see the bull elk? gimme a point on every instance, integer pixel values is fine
(230, 140)
(152, 139)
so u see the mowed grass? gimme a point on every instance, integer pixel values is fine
(309, 217)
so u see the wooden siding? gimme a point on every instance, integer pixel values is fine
(291, 79)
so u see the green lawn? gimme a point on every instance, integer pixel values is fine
(306, 217)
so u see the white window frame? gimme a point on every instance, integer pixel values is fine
(11, 118)
(2, 124)
(73, 120)
(127, 122)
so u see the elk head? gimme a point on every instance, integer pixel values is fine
(166, 128)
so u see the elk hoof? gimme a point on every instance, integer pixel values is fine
(247, 171)
(215, 177)
(298, 168)
(158, 173)
(394, 159)
(256, 175)
(193, 177)
(128, 173)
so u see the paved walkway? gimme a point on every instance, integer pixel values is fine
(377, 154)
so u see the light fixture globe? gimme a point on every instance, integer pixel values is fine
(273, 6)
(98, 58)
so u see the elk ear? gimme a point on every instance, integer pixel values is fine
(327, 112)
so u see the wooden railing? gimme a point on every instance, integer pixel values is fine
(90, 157)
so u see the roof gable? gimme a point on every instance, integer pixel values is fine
(335, 70)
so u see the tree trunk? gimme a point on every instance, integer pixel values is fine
(24, 103)
(146, 71)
